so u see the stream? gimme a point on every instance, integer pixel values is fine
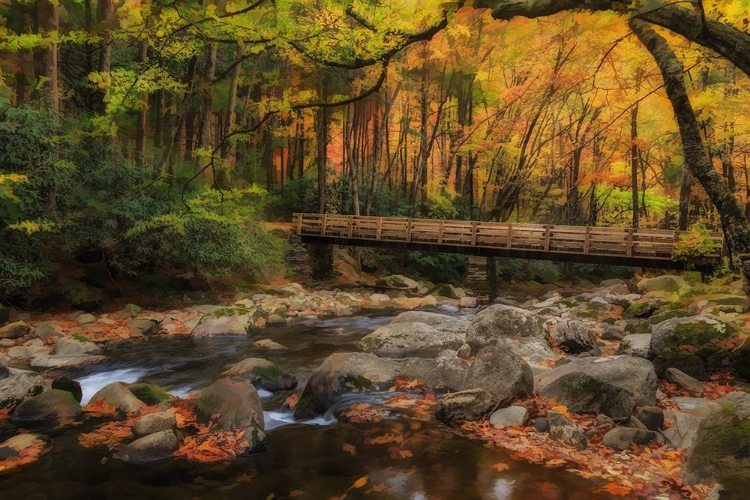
(402, 456)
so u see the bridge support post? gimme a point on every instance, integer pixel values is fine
(321, 261)
(492, 277)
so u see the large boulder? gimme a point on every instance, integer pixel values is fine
(722, 442)
(442, 322)
(575, 337)
(464, 406)
(14, 330)
(342, 373)
(118, 396)
(4, 371)
(48, 329)
(684, 381)
(666, 283)
(612, 385)
(151, 448)
(262, 374)
(693, 345)
(401, 340)
(236, 324)
(69, 346)
(501, 373)
(20, 386)
(237, 404)
(686, 419)
(155, 422)
(637, 344)
(522, 331)
(48, 405)
(151, 394)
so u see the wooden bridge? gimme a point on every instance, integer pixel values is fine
(594, 245)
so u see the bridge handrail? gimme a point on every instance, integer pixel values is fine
(655, 244)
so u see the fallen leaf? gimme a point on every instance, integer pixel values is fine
(360, 482)
(349, 448)
(500, 466)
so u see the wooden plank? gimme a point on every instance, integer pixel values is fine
(509, 241)
(474, 234)
(323, 226)
(547, 235)
(440, 233)
(379, 232)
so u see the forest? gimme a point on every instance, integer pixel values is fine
(158, 136)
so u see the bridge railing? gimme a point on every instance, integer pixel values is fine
(586, 240)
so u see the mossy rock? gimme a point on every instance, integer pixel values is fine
(149, 393)
(685, 361)
(644, 325)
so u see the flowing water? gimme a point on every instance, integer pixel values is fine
(402, 456)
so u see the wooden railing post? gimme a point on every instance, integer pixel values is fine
(299, 224)
(408, 230)
(509, 242)
(587, 241)
(630, 242)
(547, 233)
(323, 226)
(351, 226)
(474, 228)
(440, 232)
(380, 228)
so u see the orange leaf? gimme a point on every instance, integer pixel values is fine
(616, 489)
(360, 482)
(296, 493)
(500, 466)
(349, 448)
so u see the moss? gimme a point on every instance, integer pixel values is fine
(644, 326)
(270, 373)
(303, 407)
(231, 311)
(149, 393)
(80, 337)
(724, 448)
(359, 382)
(566, 303)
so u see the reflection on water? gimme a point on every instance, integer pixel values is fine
(400, 457)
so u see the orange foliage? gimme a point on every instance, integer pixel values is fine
(111, 435)
(215, 447)
(25, 456)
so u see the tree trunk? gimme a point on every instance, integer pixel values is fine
(683, 221)
(321, 131)
(140, 137)
(49, 21)
(634, 162)
(735, 222)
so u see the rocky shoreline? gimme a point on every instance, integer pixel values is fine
(655, 365)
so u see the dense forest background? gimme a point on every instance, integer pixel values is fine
(156, 137)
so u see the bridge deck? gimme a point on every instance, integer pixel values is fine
(596, 245)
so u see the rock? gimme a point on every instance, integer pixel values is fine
(622, 438)
(562, 430)
(49, 405)
(521, 331)
(268, 344)
(501, 373)
(14, 330)
(721, 443)
(611, 385)
(401, 340)
(445, 290)
(574, 337)
(85, 319)
(118, 396)
(399, 282)
(48, 361)
(651, 416)
(692, 345)
(16, 388)
(666, 283)
(14, 447)
(66, 384)
(379, 297)
(262, 374)
(637, 344)
(441, 322)
(464, 352)
(47, 329)
(509, 417)
(69, 346)
(468, 302)
(155, 422)
(238, 405)
(541, 424)
(684, 381)
(129, 311)
(144, 327)
(4, 371)
(613, 332)
(469, 405)
(26, 352)
(150, 394)
(645, 307)
(153, 447)
(342, 373)
(276, 320)
(237, 324)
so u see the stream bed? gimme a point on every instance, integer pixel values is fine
(402, 456)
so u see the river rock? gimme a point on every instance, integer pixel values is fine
(666, 283)
(262, 374)
(151, 448)
(445, 290)
(72, 386)
(686, 420)
(509, 417)
(269, 344)
(26, 351)
(501, 373)
(575, 337)
(14, 330)
(17, 387)
(13, 447)
(237, 324)
(441, 322)
(155, 422)
(468, 405)
(342, 373)
(85, 319)
(145, 327)
(4, 371)
(151, 394)
(47, 329)
(238, 405)
(612, 385)
(684, 381)
(651, 416)
(561, 429)
(521, 331)
(722, 440)
(118, 396)
(69, 346)
(623, 438)
(637, 344)
(399, 282)
(48, 405)
(401, 340)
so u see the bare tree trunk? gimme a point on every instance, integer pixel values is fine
(634, 160)
(683, 221)
(140, 137)
(321, 131)
(735, 222)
